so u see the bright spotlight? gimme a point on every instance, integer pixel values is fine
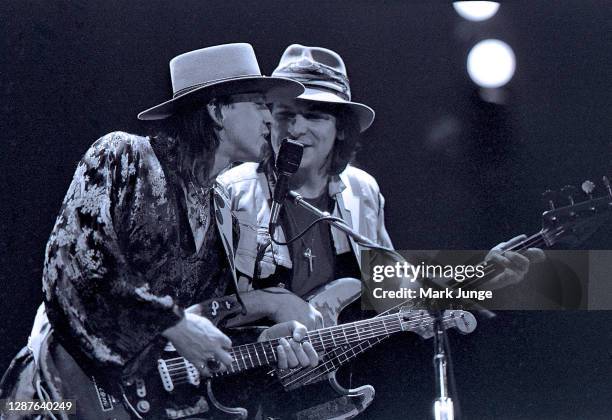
(476, 11)
(491, 63)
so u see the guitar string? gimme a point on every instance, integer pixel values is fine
(326, 365)
(363, 346)
(185, 379)
(371, 333)
(373, 323)
(319, 332)
(242, 362)
(491, 268)
(536, 239)
(329, 330)
(179, 377)
(374, 333)
(368, 343)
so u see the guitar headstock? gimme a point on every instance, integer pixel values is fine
(575, 214)
(422, 322)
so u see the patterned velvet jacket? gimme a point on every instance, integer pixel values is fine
(121, 263)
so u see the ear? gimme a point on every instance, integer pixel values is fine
(214, 112)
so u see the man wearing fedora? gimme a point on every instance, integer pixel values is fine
(327, 123)
(144, 232)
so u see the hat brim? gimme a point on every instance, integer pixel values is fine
(365, 114)
(274, 88)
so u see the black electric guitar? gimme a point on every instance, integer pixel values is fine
(175, 390)
(572, 217)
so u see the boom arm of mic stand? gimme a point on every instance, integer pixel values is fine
(299, 200)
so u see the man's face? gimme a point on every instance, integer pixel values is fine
(247, 122)
(308, 124)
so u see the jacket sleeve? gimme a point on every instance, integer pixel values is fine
(94, 296)
(382, 235)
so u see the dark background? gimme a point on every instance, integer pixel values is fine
(457, 172)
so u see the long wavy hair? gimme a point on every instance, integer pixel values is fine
(191, 133)
(345, 148)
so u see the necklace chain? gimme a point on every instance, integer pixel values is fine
(307, 252)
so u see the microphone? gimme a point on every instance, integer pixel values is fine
(287, 163)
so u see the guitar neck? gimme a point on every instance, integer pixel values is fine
(491, 269)
(252, 355)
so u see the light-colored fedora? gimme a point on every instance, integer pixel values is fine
(200, 75)
(323, 74)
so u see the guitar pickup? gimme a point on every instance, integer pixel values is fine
(164, 374)
(193, 376)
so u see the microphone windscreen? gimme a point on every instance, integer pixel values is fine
(289, 156)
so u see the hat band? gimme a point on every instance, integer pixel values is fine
(188, 89)
(318, 75)
(325, 88)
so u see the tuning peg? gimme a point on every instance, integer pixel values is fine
(606, 182)
(569, 191)
(588, 187)
(549, 198)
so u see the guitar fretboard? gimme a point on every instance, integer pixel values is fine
(252, 355)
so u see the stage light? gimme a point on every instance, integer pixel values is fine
(491, 63)
(476, 11)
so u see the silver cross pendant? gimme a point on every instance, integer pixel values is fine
(308, 255)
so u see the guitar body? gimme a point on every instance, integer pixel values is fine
(144, 398)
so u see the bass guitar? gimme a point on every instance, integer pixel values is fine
(573, 215)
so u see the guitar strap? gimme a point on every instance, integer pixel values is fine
(218, 310)
(224, 222)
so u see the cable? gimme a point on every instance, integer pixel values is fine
(310, 226)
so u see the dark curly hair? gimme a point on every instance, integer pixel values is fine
(345, 148)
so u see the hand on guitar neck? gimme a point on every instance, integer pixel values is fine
(295, 352)
(196, 339)
(513, 266)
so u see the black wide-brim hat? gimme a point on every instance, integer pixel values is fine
(201, 75)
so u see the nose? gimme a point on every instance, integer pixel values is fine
(297, 126)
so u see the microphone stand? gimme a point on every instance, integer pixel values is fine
(443, 404)
(299, 200)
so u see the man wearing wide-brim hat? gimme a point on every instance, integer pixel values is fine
(144, 233)
(327, 122)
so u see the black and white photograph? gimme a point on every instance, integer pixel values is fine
(306, 210)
